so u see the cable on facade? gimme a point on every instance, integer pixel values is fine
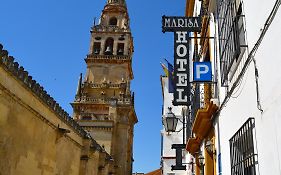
(252, 53)
(257, 86)
(240, 88)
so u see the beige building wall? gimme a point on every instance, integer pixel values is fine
(36, 135)
(30, 145)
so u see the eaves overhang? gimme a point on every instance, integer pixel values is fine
(203, 123)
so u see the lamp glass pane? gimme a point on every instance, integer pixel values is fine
(171, 124)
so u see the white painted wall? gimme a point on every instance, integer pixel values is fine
(171, 138)
(243, 105)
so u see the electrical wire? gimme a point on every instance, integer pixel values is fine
(240, 89)
(238, 86)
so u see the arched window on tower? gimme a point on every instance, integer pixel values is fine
(113, 21)
(120, 49)
(97, 48)
(109, 46)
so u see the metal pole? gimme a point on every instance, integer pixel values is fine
(183, 123)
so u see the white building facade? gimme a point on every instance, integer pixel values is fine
(244, 49)
(249, 115)
(168, 155)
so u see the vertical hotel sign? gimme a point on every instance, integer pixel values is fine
(181, 26)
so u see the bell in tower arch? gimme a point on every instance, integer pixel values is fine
(108, 50)
(109, 46)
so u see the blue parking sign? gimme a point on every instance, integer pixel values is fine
(202, 72)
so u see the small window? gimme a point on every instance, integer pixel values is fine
(113, 21)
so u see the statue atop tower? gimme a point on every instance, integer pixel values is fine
(104, 103)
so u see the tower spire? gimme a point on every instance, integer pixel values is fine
(108, 117)
(117, 2)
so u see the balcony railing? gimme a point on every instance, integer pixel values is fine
(104, 85)
(108, 57)
(102, 28)
(118, 101)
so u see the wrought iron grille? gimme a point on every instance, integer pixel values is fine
(242, 150)
(231, 33)
(195, 105)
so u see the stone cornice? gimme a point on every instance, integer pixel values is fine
(105, 128)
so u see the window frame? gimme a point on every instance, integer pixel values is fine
(243, 158)
(231, 36)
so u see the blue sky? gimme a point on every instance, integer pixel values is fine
(50, 39)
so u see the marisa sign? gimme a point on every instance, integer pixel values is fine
(175, 23)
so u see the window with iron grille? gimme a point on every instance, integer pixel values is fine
(242, 150)
(231, 33)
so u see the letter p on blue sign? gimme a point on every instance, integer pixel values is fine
(202, 72)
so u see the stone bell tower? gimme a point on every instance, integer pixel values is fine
(104, 103)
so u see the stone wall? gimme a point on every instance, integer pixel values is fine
(36, 135)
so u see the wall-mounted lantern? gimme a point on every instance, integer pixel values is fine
(170, 121)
